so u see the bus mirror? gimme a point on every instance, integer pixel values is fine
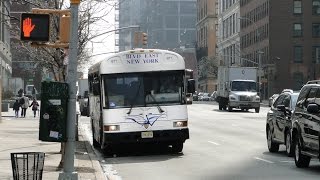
(191, 86)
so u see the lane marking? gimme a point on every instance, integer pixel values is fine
(264, 160)
(287, 161)
(214, 143)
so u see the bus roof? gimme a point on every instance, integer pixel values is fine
(140, 60)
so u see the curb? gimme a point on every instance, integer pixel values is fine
(93, 157)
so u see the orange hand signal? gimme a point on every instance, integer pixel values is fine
(27, 27)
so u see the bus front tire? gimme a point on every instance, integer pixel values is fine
(177, 147)
(95, 143)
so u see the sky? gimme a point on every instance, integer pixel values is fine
(104, 43)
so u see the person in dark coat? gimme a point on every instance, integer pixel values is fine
(16, 107)
(34, 106)
(20, 92)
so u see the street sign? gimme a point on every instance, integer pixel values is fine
(35, 27)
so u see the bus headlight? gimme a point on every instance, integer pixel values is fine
(111, 128)
(180, 124)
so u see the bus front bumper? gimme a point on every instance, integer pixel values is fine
(163, 136)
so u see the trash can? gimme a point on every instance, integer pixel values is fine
(27, 165)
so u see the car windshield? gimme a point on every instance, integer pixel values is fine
(143, 89)
(244, 86)
(294, 98)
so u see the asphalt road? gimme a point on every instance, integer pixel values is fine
(222, 146)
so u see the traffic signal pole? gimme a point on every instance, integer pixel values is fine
(68, 168)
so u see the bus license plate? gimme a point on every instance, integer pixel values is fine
(148, 134)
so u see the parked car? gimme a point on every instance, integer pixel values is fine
(306, 125)
(272, 99)
(204, 97)
(200, 94)
(213, 96)
(189, 98)
(278, 124)
(195, 96)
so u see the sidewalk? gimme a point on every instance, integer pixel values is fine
(22, 134)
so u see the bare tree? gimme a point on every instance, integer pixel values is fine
(208, 67)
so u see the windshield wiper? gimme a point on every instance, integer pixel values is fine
(154, 100)
(135, 99)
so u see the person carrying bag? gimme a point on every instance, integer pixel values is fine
(34, 106)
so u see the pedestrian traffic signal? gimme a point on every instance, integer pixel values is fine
(144, 38)
(35, 27)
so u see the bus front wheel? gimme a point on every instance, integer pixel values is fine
(177, 147)
(95, 143)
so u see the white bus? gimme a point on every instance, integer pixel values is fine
(139, 96)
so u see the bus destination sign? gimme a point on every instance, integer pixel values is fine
(147, 58)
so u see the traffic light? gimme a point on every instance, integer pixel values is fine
(35, 27)
(144, 38)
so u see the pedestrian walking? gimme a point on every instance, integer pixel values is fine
(16, 108)
(20, 92)
(34, 92)
(24, 102)
(34, 106)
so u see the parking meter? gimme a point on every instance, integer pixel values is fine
(53, 112)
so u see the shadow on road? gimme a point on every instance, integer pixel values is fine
(233, 111)
(141, 153)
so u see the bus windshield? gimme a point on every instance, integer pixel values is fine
(143, 89)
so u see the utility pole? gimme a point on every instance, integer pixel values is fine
(259, 71)
(68, 168)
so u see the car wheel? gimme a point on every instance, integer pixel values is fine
(229, 108)
(301, 161)
(289, 147)
(257, 110)
(272, 146)
(220, 106)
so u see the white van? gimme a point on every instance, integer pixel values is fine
(29, 89)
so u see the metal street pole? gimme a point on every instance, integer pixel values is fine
(259, 71)
(68, 168)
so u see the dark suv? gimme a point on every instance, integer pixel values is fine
(306, 125)
(278, 123)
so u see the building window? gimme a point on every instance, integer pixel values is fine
(297, 29)
(297, 50)
(316, 7)
(297, 7)
(316, 54)
(298, 80)
(316, 29)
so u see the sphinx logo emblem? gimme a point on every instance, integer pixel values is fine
(146, 126)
